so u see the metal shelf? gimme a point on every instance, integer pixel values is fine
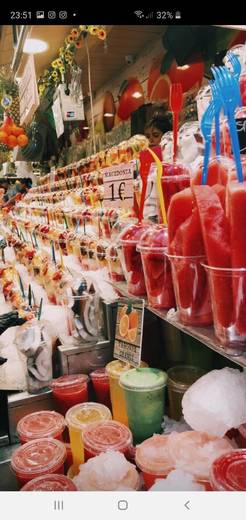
(203, 334)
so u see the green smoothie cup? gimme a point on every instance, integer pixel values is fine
(144, 390)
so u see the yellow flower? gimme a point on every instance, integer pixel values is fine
(101, 34)
(54, 75)
(70, 38)
(93, 30)
(75, 33)
(83, 27)
(59, 63)
(62, 70)
(54, 64)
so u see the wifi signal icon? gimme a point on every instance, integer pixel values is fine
(139, 14)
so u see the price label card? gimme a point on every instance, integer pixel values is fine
(118, 185)
(129, 331)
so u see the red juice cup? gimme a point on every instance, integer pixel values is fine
(38, 457)
(154, 459)
(157, 267)
(191, 290)
(40, 425)
(100, 381)
(228, 289)
(132, 258)
(228, 472)
(106, 436)
(50, 483)
(175, 178)
(70, 390)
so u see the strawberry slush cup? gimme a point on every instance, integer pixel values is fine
(106, 436)
(39, 425)
(69, 391)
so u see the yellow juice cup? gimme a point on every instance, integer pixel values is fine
(114, 370)
(77, 418)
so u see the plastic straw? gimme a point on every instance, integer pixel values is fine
(21, 287)
(40, 309)
(159, 186)
(53, 252)
(29, 295)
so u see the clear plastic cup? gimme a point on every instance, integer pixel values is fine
(175, 178)
(38, 457)
(69, 391)
(144, 390)
(153, 458)
(228, 298)
(132, 263)
(40, 425)
(50, 483)
(77, 418)
(114, 370)
(191, 290)
(228, 472)
(157, 267)
(114, 264)
(100, 381)
(180, 378)
(106, 436)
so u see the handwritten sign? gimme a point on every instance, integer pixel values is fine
(118, 185)
(129, 331)
(241, 132)
(28, 91)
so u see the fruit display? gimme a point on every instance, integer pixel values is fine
(12, 135)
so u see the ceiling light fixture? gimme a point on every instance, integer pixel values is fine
(108, 114)
(86, 127)
(34, 46)
(137, 95)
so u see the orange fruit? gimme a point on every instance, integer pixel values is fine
(132, 334)
(123, 311)
(11, 141)
(3, 137)
(22, 140)
(124, 325)
(133, 319)
(17, 130)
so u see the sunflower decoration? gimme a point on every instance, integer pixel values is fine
(66, 56)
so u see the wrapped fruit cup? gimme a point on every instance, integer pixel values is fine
(191, 290)
(132, 259)
(157, 267)
(114, 264)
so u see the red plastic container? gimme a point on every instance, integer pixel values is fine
(153, 458)
(39, 425)
(50, 483)
(38, 457)
(69, 391)
(100, 381)
(228, 472)
(106, 436)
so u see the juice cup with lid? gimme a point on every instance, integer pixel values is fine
(114, 370)
(40, 425)
(70, 390)
(228, 472)
(38, 457)
(144, 390)
(106, 436)
(100, 381)
(153, 458)
(77, 418)
(50, 483)
(180, 378)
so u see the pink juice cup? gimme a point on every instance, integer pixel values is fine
(40, 425)
(70, 390)
(132, 263)
(157, 267)
(106, 436)
(50, 483)
(38, 457)
(100, 381)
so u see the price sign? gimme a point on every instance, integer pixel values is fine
(28, 91)
(129, 331)
(118, 185)
(241, 132)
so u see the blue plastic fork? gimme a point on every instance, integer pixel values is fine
(217, 108)
(236, 65)
(206, 128)
(230, 96)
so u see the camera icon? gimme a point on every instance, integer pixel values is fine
(63, 15)
(51, 15)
